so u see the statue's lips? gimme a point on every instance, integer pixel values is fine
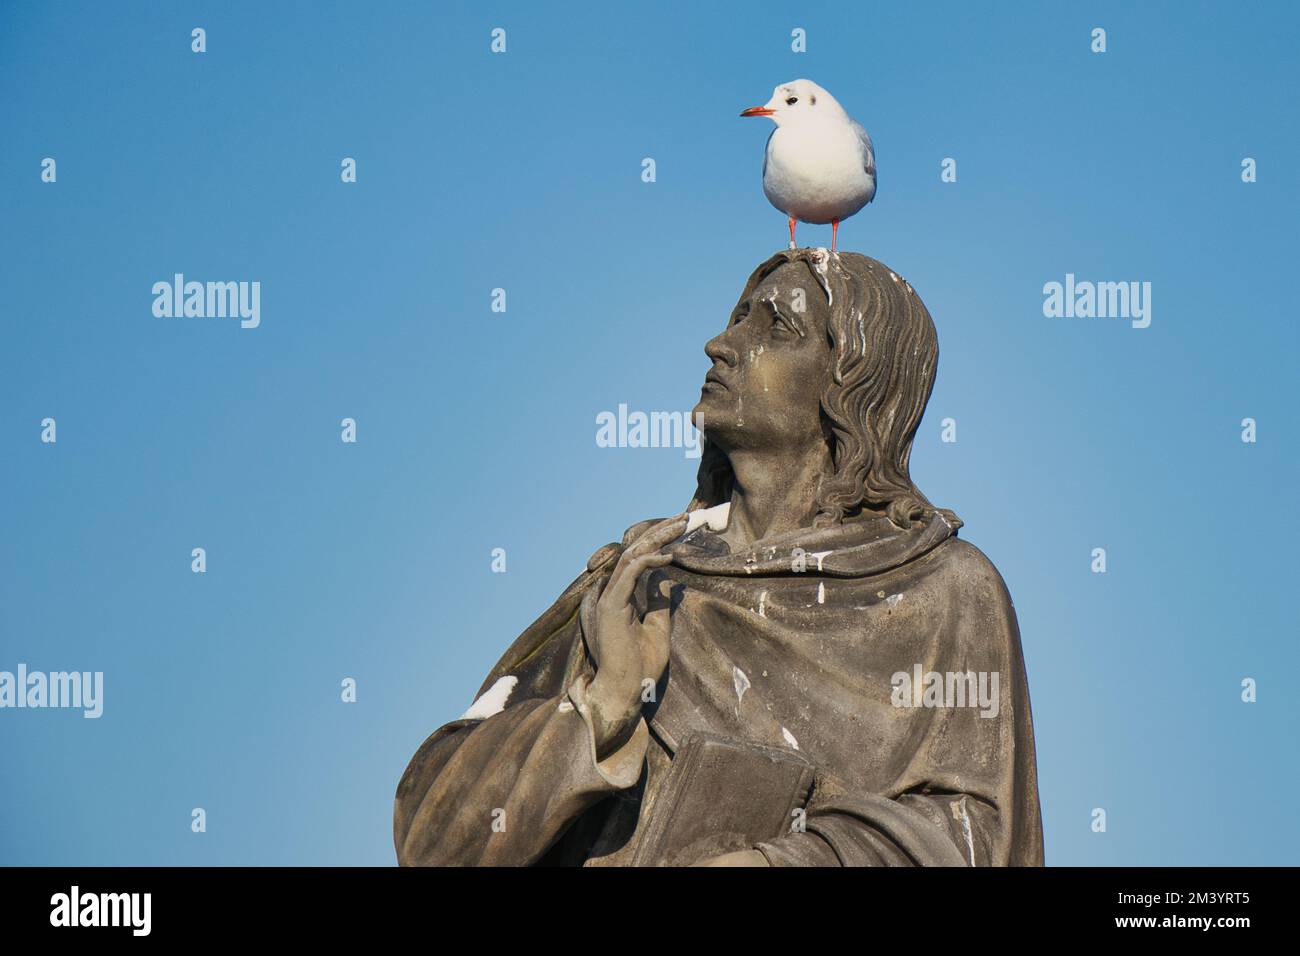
(712, 378)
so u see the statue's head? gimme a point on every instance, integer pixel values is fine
(822, 351)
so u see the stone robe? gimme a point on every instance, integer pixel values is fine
(797, 642)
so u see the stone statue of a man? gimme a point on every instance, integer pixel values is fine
(823, 674)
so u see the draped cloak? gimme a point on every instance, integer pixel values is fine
(799, 641)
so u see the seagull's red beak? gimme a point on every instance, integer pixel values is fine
(758, 111)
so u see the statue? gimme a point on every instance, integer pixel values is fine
(807, 667)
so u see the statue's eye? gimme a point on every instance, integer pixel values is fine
(782, 324)
(791, 101)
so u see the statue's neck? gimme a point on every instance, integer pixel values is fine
(774, 493)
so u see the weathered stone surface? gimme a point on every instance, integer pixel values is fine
(835, 618)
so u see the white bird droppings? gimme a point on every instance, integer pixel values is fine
(893, 599)
(741, 681)
(492, 701)
(789, 738)
(715, 518)
(762, 604)
(821, 592)
(961, 816)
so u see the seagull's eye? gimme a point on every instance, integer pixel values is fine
(791, 101)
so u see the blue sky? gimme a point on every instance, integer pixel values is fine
(476, 429)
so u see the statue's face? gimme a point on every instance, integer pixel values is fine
(770, 367)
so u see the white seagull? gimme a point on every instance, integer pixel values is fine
(820, 166)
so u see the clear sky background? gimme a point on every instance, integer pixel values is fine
(476, 429)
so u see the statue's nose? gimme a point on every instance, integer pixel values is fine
(715, 350)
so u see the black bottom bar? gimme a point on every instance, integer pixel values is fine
(441, 906)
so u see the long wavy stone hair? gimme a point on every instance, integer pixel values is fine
(884, 352)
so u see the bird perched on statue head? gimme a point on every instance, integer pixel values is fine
(820, 166)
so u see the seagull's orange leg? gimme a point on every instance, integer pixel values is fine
(792, 245)
(835, 230)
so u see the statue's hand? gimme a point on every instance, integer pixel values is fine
(736, 858)
(628, 649)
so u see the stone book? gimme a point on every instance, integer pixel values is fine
(723, 795)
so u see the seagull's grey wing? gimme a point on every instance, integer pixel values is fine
(868, 151)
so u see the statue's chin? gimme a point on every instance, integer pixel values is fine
(706, 415)
(725, 435)
(717, 425)
(715, 409)
(717, 416)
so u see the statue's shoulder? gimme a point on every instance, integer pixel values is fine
(966, 572)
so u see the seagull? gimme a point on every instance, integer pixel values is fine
(819, 166)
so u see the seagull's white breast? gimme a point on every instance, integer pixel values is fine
(819, 171)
